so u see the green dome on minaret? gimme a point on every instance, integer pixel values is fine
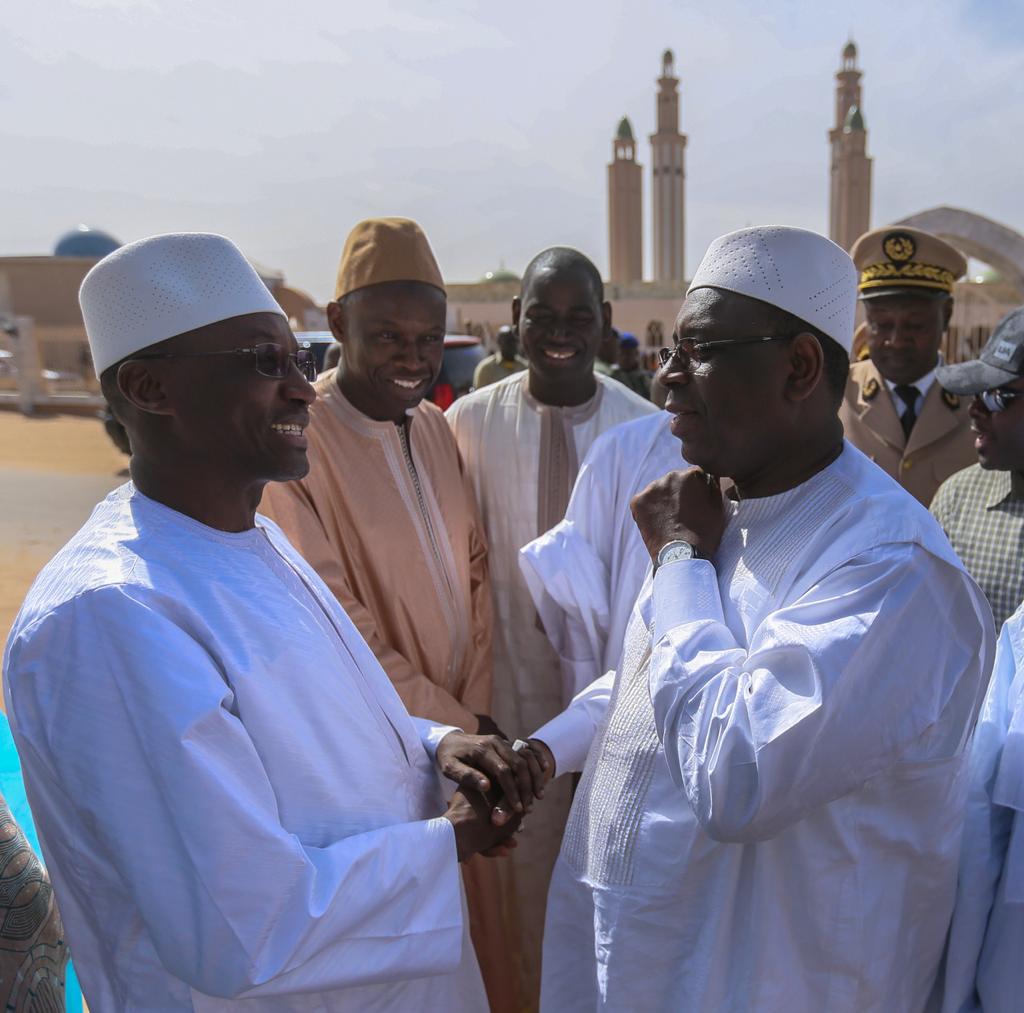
(625, 131)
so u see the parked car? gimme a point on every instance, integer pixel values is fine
(319, 341)
(462, 352)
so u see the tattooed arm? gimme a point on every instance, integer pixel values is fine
(33, 954)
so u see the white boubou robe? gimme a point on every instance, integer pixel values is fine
(585, 573)
(985, 958)
(770, 813)
(235, 808)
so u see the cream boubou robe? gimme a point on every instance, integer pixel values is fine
(522, 458)
(586, 572)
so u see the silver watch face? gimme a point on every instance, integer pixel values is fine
(675, 550)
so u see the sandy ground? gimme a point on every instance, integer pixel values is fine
(53, 471)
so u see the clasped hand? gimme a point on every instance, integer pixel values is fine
(497, 788)
(684, 505)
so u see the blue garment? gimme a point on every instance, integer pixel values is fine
(983, 967)
(12, 787)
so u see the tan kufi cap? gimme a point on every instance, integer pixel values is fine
(898, 258)
(386, 249)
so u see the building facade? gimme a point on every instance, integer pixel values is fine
(44, 290)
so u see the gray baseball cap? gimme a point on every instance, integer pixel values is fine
(1001, 360)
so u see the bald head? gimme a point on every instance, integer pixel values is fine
(563, 260)
(562, 317)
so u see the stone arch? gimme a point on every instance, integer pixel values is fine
(978, 237)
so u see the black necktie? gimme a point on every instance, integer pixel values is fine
(908, 394)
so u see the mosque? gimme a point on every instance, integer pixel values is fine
(44, 289)
(648, 306)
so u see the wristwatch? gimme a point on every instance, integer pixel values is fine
(674, 550)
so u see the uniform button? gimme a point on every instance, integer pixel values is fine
(906, 463)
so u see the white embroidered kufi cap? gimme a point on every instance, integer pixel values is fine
(798, 271)
(151, 290)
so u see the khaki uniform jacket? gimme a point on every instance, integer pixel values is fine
(940, 443)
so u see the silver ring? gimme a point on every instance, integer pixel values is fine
(519, 745)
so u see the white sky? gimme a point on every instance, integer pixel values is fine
(282, 124)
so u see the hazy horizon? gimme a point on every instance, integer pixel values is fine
(281, 127)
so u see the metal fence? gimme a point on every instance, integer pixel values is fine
(27, 383)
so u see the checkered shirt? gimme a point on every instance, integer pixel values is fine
(982, 513)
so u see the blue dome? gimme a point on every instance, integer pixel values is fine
(85, 242)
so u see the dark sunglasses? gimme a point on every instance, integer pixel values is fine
(271, 360)
(999, 399)
(688, 353)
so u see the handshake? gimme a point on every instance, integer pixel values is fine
(498, 784)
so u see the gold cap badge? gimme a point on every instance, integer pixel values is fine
(899, 247)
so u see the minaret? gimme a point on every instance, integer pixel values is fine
(850, 197)
(625, 209)
(668, 178)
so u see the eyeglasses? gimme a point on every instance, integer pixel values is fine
(999, 398)
(271, 360)
(689, 353)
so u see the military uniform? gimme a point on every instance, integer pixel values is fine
(905, 261)
(940, 443)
